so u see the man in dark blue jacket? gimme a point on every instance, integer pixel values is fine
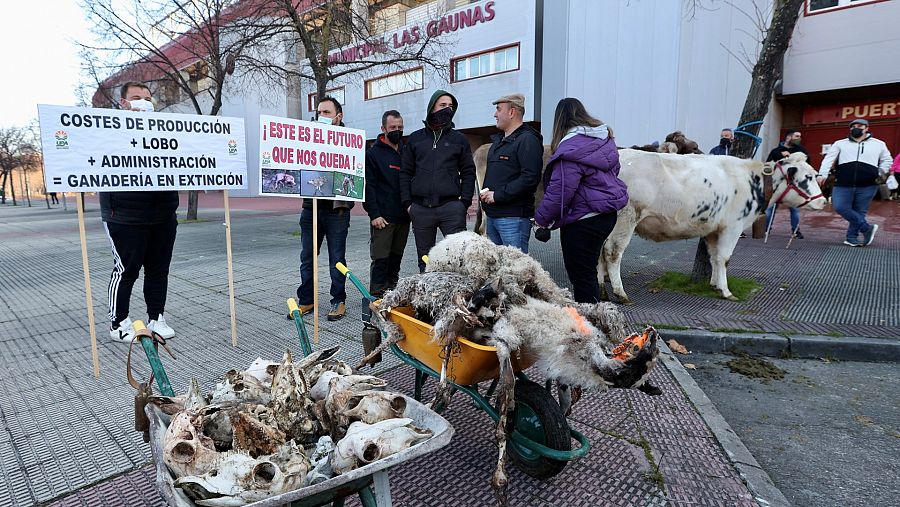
(437, 175)
(141, 230)
(388, 216)
(514, 166)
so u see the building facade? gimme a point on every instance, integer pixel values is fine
(645, 67)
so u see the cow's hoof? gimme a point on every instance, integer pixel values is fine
(625, 301)
(731, 297)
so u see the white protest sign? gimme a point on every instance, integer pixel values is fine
(310, 159)
(109, 150)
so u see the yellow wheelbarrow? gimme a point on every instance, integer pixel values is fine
(540, 439)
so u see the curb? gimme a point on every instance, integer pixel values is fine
(848, 348)
(764, 491)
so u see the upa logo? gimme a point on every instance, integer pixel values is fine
(62, 140)
(359, 168)
(266, 158)
(232, 147)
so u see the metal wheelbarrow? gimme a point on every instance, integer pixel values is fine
(360, 481)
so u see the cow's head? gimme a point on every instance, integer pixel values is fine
(795, 183)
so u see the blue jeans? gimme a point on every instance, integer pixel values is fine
(512, 231)
(795, 217)
(852, 203)
(333, 225)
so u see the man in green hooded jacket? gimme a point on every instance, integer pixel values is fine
(437, 175)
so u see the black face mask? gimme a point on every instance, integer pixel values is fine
(725, 141)
(440, 118)
(856, 132)
(394, 136)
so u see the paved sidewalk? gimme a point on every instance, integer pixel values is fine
(67, 437)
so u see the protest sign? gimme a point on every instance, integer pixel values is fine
(310, 159)
(109, 150)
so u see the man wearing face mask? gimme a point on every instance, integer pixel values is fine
(859, 160)
(513, 172)
(790, 145)
(141, 230)
(724, 146)
(334, 224)
(437, 175)
(389, 219)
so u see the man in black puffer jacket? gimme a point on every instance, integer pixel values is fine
(141, 230)
(437, 176)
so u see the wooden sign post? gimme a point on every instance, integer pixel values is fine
(85, 265)
(230, 269)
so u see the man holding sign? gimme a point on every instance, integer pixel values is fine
(141, 230)
(334, 224)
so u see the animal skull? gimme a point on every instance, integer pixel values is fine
(186, 450)
(241, 386)
(238, 479)
(366, 443)
(290, 405)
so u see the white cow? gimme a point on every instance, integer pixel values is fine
(700, 196)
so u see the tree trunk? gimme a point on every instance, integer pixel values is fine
(766, 73)
(3, 187)
(702, 272)
(27, 190)
(12, 188)
(192, 205)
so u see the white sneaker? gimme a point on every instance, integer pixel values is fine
(124, 333)
(160, 327)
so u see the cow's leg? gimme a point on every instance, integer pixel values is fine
(614, 249)
(603, 275)
(727, 240)
(712, 247)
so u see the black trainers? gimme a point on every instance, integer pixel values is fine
(337, 311)
(798, 234)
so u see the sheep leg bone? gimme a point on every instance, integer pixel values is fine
(441, 397)
(505, 395)
(392, 331)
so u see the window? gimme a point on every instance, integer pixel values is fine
(818, 6)
(392, 84)
(337, 93)
(494, 61)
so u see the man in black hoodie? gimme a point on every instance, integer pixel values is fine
(514, 166)
(437, 176)
(141, 230)
(389, 219)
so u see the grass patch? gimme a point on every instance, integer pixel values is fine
(197, 221)
(670, 327)
(295, 234)
(834, 334)
(738, 330)
(742, 288)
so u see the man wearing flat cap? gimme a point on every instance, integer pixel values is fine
(514, 165)
(859, 161)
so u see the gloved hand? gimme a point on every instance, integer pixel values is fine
(542, 235)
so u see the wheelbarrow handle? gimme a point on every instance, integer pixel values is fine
(354, 280)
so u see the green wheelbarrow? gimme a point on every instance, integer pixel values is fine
(540, 439)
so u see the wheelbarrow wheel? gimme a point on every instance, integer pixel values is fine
(537, 416)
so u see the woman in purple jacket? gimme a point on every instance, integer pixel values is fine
(582, 193)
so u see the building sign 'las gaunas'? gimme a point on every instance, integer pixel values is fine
(309, 159)
(109, 150)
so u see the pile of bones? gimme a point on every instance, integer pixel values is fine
(277, 427)
(500, 296)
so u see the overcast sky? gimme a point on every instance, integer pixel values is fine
(38, 56)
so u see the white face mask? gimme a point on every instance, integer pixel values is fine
(324, 119)
(142, 105)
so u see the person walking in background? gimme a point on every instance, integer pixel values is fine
(513, 172)
(724, 146)
(895, 171)
(53, 198)
(389, 219)
(859, 159)
(791, 144)
(437, 175)
(582, 193)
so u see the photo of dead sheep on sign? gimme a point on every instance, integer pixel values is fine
(500, 296)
